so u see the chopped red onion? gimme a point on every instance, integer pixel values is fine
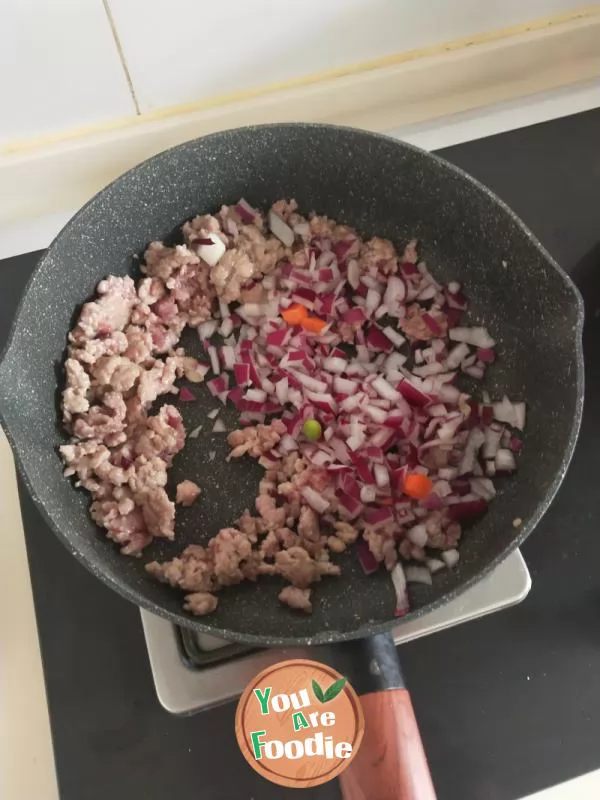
(399, 581)
(368, 494)
(282, 390)
(350, 507)
(242, 373)
(206, 329)
(486, 354)
(418, 535)
(384, 389)
(335, 364)
(256, 395)
(483, 487)
(433, 325)
(218, 385)
(476, 337)
(434, 565)
(344, 386)
(416, 574)
(281, 229)
(393, 335)
(466, 509)
(472, 447)
(426, 370)
(511, 413)
(457, 355)
(395, 293)
(211, 253)
(520, 412)
(214, 359)
(412, 393)
(228, 356)
(314, 499)
(245, 211)
(227, 327)
(377, 340)
(505, 461)
(366, 557)
(476, 372)
(373, 300)
(287, 444)
(450, 558)
(382, 476)
(491, 443)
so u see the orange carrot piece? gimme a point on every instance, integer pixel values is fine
(295, 314)
(313, 324)
(417, 485)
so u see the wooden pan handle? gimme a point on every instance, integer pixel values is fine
(390, 763)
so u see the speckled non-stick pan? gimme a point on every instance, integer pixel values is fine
(380, 186)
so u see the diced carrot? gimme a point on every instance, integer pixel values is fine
(313, 324)
(417, 485)
(385, 501)
(295, 314)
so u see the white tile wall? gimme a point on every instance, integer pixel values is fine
(180, 51)
(59, 68)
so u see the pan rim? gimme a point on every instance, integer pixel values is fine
(365, 629)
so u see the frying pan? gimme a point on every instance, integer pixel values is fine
(380, 186)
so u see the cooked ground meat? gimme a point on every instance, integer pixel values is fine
(297, 567)
(296, 598)
(200, 603)
(379, 254)
(231, 273)
(187, 492)
(228, 550)
(256, 440)
(75, 395)
(192, 571)
(120, 452)
(346, 532)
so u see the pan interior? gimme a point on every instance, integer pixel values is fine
(381, 187)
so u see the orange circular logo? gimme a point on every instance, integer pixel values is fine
(299, 723)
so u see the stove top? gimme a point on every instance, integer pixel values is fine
(193, 672)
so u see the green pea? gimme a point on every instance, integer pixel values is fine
(312, 429)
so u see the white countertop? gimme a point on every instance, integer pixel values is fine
(26, 757)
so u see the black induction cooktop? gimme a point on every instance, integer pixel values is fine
(508, 705)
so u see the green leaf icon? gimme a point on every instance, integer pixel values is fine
(318, 691)
(334, 690)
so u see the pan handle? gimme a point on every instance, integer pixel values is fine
(390, 763)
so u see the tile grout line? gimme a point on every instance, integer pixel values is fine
(121, 54)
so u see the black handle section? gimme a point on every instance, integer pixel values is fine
(371, 664)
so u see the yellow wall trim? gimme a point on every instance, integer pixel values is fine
(590, 11)
(61, 174)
